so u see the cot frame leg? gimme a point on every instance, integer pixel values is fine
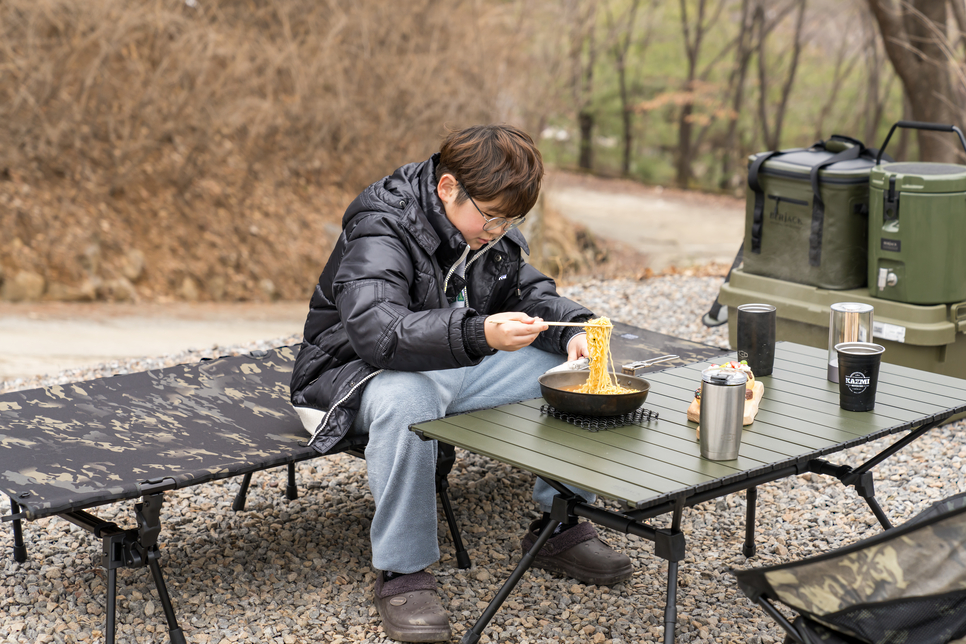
(291, 490)
(242, 496)
(132, 548)
(19, 547)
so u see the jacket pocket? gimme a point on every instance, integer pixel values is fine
(424, 291)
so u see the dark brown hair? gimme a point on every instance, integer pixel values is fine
(498, 163)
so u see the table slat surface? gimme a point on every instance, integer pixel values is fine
(652, 462)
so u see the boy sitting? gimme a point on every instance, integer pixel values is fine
(425, 308)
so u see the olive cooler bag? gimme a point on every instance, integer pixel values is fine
(807, 214)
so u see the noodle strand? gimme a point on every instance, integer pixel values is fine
(600, 380)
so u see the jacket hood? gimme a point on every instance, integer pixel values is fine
(402, 195)
(411, 193)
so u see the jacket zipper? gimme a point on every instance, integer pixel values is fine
(452, 268)
(325, 419)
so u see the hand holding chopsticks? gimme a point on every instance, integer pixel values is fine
(510, 337)
(554, 323)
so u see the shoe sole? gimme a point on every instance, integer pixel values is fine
(417, 636)
(583, 576)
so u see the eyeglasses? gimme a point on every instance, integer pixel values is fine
(493, 223)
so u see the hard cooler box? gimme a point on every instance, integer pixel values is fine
(927, 337)
(917, 226)
(806, 217)
(917, 232)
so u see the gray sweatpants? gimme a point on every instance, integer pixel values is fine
(402, 467)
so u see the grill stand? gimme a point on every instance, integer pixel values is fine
(597, 423)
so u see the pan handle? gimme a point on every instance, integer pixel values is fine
(634, 368)
(573, 365)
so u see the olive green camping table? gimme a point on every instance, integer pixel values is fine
(655, 467)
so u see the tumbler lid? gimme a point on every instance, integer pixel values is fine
(726, 376)
(851, 307)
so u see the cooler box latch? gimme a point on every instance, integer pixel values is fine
(890, 211)
(957, 315)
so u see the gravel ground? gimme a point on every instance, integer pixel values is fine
(298, 571)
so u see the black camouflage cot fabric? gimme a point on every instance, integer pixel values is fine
(904, 586)
(77, 445)
(630, 343)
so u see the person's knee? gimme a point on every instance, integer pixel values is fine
(408, 396)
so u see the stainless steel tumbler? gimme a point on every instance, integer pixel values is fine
(848, 322)
(722, 410)
(757, 325)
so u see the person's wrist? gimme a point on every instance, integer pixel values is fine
(474, 337)
(574, 337)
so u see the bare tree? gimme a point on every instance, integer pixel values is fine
(878, 81)
(846, 57)
(582, 15)
(621, 30)
(736, 82)
(913, 33)
(772, 136)
(694, 34)
(959, 13)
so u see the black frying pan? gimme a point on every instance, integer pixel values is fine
(551, 386)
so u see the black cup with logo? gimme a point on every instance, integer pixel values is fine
(756, 337)
(858, 374)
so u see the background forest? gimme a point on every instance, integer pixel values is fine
(205, 149)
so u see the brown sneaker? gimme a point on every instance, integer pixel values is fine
(579, 553)
(410, 608)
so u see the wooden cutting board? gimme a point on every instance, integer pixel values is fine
(751, 406)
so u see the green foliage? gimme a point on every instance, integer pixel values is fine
(657, 88)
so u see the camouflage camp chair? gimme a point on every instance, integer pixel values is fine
(906, 585)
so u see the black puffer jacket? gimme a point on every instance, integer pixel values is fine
(380, 303)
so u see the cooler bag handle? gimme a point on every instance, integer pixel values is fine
(759, 211)
(846, 139)
(714, 317)
(857, 150)
(918, 125)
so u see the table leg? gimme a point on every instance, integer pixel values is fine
(861, 479)
(671, 607)
(865, 488)
(472, 636)
(462, 556)
(751, 500)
